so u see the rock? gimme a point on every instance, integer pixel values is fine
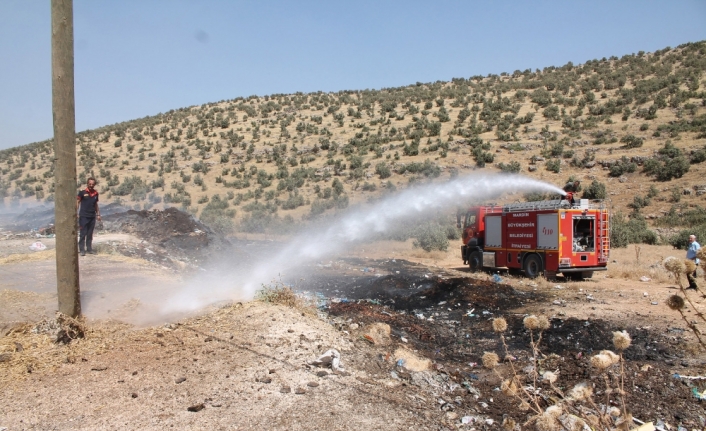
(532, 168)
(180, 380)
(265, 380)
(5, 357)
(300, 391)
(196, 408)
(312, 384)
(285, 389)
(686, 192)
(321, 374)
(134, 394)
(18, 347)
(623, 179)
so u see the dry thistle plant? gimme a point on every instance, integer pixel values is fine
(638, 250)
(573, 410)
(678, 267)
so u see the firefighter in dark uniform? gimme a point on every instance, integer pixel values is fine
(88, 212)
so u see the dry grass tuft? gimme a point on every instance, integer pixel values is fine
(281, 294)
(28, 257)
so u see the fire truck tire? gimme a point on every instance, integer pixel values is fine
(475, 261)
(533, 266)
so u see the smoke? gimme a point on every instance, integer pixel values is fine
(325, 241)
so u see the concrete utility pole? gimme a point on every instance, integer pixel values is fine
(63, 108)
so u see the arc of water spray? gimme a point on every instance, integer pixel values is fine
(357, 225)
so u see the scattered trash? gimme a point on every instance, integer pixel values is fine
(331, 358)
(645, 294)
(558, 286)
(368, 338)
(679, 376)
(699, 395)
(654, 303)
(645, 279)
(404, 340)
(467, 419)
(400, 362)
(37, 246)
(497, 278)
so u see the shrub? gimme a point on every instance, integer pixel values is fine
(217, 215)
(622, 166)
(630, 230)
(554, 165)
(383, 170)
(631, 141)
(512, 167)
(431, 236)
(680, 240)
(551, 112)
(596, 190)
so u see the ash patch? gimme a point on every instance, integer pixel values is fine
(171, 235)
(449, 320)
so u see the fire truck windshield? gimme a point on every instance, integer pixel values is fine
(470, 219)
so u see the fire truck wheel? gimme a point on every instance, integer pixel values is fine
(533, 266)
(475, 261)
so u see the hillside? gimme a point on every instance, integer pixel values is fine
(636, 124)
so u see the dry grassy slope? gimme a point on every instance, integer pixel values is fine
(240, 135)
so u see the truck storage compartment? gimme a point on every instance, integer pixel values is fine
(493, 231)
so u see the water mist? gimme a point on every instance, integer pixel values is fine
(326, 241)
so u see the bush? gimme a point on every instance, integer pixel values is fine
(512, 167)
(680, 240)
(632, 230)
(217, 215)
(551, 112)
(631, 141)
(383, 170)
(431, 236)
(623, 166)
(596, 190)
(670, 163)
(554, 165)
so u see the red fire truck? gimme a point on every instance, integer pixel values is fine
(550, 237)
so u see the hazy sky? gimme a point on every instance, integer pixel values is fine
(137, 58)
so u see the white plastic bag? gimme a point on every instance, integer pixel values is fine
(37, 246)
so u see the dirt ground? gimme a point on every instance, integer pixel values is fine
(247, 365)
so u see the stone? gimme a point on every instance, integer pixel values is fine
(196, 407)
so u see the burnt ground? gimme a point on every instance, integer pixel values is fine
(172, 236)
(448, 319)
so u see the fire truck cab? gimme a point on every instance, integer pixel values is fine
(550, 237)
